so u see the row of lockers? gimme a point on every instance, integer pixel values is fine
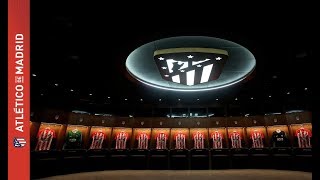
(61, 117)
(148, 138)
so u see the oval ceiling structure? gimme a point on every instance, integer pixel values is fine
(190, 63)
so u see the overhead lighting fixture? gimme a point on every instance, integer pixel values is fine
(184, 72)
(212, 114)
(34, 75)
(80, 112)
(271, 113)
(294, 111)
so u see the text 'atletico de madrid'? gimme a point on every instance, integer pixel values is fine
(19, 81)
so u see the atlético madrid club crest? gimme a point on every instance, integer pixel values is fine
(190, 66)
(190, 63)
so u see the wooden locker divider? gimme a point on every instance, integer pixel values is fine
(62, 135)
(34, 128)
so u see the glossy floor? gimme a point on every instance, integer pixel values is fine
(246, 174)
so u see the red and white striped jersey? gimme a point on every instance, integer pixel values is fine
(161, 141)
(303, 136)
(198, 139)
(235, 138)
(257, 139)
(97, 140)
(121, 140)
(180, 141)
(45, 138)
(143, 141)
(217, 140)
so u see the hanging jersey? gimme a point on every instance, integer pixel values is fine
(198, 139)
(279, 139)
(45, 138)
(217, 140)
(161, 141)
(303, 136)
(97, 140)
(121, 140)
(257, 139)
(74, 139)
(142, 141)
(235, 138)
(180, 141)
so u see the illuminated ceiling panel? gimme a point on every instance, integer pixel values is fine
(190, 63)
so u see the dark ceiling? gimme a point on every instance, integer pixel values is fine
(78, 61)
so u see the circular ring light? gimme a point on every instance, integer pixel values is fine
(190, 63)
